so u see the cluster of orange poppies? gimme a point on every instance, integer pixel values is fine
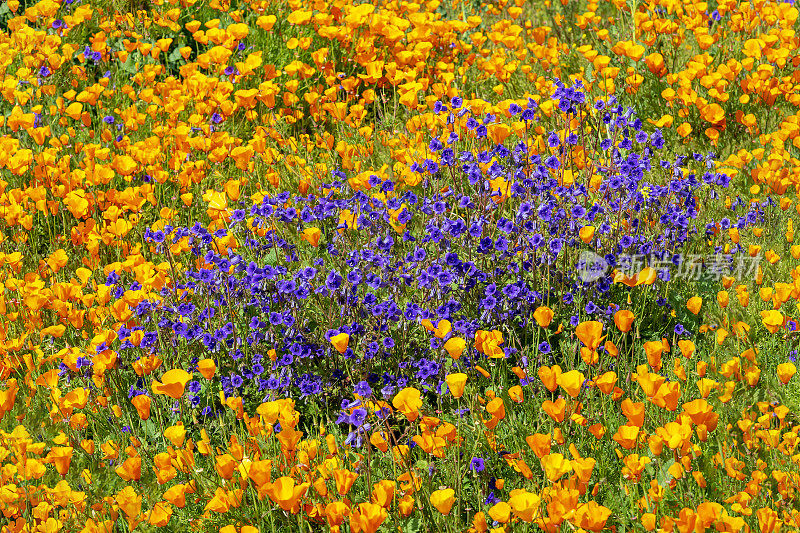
(114, 123)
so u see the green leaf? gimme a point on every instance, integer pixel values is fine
(129, 65)
(414, 524)
(664, 477)
(272, 257)
(175, 56)
(151, 429)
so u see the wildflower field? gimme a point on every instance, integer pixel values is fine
(331, 265)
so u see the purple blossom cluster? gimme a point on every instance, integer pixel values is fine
(489, 235)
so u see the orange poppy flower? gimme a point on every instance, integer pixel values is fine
(207, 368)
(686, 347)
(626, 436)
(340, 342)
(654, 349)
(590, 333)
(130, 469)
(611, 348)
(142, 404)
(455, 347)
(539, 443)
(772, 320)
(586, 233)
(555, 409)
(549, 376)
(786, 371)
(176, 495)
(160, 514)
(456, 384)
(555, 466)
(590, 357)
(344, 480)
(408, 401)
(649, 382)
(172, 383)
(312, 236)
(496, 408)
(634, 412)
(525, 505)
(500, 512)
(543, 316)
(129, 502)
(571, 382)
(598, 430)
(515, 393)
(286, 493)
(693, 304)
(623, 319)
(61, 458)
(443, 500)
(592, 516)
(442, 329)
(336, 512)
(368, 518)
(225, 465)
(176, 434)
(606, 382)
(383, 493)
